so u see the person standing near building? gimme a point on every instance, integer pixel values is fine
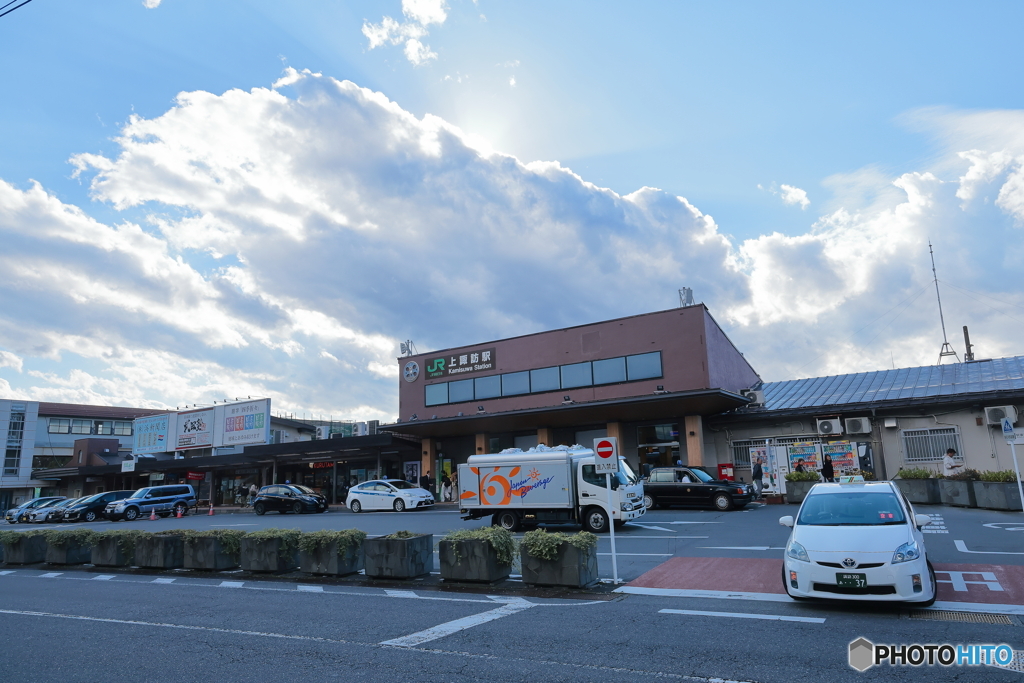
(425, 481)
(827, 471)
(446, 488)
(757, 474)
(949, 464)
(252, 493)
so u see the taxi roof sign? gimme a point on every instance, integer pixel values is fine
(851, 479)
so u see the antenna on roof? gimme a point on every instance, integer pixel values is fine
(946, 349)
(685, 297)
(408, 348)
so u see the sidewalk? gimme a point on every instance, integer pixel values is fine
(240, 510)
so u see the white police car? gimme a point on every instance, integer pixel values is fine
(390, 494)
(858, 541)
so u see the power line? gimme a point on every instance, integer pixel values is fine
(987, 296)
(14, 8)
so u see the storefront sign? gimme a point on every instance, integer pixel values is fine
(321, 465)
(194, 476)
(245, 423)
(470, 361)
(194, 429)
(128, 466)
(156, 476)
(151, 434)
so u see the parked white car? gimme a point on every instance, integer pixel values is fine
(858, 541)
(389, 494)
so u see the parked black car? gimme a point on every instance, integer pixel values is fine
(90, 509)
(288, 498)
(20, 513)
(693, 486)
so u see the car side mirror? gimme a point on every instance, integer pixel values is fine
(786, 521)
(922, 520)
(149, 495)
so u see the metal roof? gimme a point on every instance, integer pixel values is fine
(926, 382)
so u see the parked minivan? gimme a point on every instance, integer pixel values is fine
(163, 500)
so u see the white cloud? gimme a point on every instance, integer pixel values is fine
(151, 4)
(421, 14)
(343, 223)
(512, 81)
(794, 195)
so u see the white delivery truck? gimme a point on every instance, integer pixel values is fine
(556, 486)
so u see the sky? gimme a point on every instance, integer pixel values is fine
(202, 201)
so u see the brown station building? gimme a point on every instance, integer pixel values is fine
(650, 380)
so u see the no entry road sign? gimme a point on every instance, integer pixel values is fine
(607, 450)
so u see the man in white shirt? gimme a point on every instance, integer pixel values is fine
(949, 465)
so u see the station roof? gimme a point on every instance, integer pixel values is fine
(929, 383)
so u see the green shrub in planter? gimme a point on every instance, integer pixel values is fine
(115, 548)
(998, 490)
(334, 553)
(69, 546)
(271, 550)
(485, 554)
(23, 547)
(807, 475)
(966, 474)
(558, 559)
(1008, 476)
(915, 473)
(214, 550)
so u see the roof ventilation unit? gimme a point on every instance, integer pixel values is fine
(830, 426)
(756, 397)
(858, 425)
(994, 414)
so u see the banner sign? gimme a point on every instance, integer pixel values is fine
(194, 430)
(194, 476)
(245, 423)
(470, 361)
(151, 434)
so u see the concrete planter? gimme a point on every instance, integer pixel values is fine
(796, 491)
(209, 554)
(160, 552)
(267, 556)
(70, 553)
(957, 492)
(327, 560)
(398, 558)
(471, 560)
(919, 491)
(30, 549)
(108, 553)
(995, 495)
(571, 567)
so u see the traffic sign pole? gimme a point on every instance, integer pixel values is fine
(611, 527)
(606, 459)
(1012, 436)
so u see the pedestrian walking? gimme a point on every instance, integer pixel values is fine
(425, 481)
(757, 474)
(949, 465)
(827, 473)
(253, 491)
(446, 488)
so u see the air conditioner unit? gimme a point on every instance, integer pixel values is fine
(323, 432)
(858, 425)
(994, 414)
(756, 397)
(830, 427)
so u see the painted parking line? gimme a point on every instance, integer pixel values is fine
(693, 593)
(639, 554)
(162, 581)
(741, 547)
(231, 584)
(400, 594)
(740, 615)
(309, 589)
(103, 577)
(50, 575)
(6, 572)
(962, 547)
(448, 628)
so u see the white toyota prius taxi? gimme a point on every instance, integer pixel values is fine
(858, 541)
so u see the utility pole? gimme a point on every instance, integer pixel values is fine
(946, 349)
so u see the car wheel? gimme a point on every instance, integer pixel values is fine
(507, 520)
(297, 507)
(131, 514)
(90, 516)
(595, 520)
(399, 505)
(935, 588)
(355, 506)
(722, 502)
(180, 508)
(649, 502)
(259, 508)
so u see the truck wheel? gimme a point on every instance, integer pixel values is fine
(509, 521)
(595, 521)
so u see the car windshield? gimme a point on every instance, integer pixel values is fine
(399, 484)
(702, 475)
(90, 499)
(303, 489)
(852, 508)
(141, 493)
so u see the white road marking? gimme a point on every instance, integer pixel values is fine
(639, 554)
(648, 526)
(999, 526)
(162, 581)
(722, 595)
(696, 522)
(959, 580)
(741, 547)
(739, 615)
(446, 629)
(234, 525)
(401, 594)
(6, 572)
(50, 575)
(309, 589)
(231, 584)
(962, 547)
(620, 539)
(103, 577)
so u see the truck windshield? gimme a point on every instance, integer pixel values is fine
(627, 471)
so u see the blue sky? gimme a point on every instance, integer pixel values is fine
(823, 145)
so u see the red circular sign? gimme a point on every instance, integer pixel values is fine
(605, 449)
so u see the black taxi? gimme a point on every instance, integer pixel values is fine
(693, 486)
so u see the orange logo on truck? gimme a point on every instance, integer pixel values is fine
(495, 489)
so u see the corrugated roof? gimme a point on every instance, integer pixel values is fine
(929, 381)
(79, 410)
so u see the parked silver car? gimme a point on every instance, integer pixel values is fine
(53, 512)
(20, 513)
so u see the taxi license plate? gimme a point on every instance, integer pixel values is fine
(851, 580)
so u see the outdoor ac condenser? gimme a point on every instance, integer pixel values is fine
(756, 397)
(858, 425)
(830, 427)
(994, 414)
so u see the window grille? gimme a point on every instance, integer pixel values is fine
(929, 445)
